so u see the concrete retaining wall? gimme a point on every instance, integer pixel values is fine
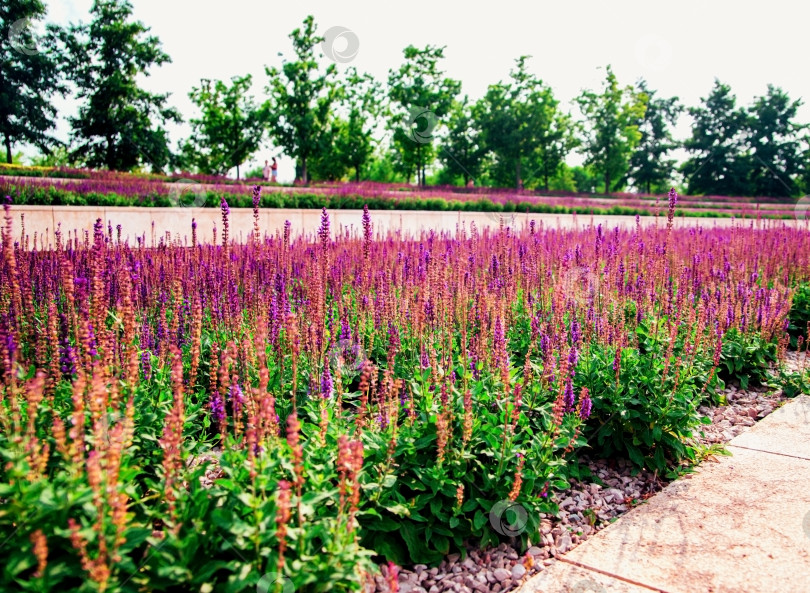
(154, 223)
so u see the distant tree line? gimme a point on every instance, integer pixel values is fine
(416, 127)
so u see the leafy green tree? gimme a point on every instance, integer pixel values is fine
(29, 77)
(300, 100)
(462, 151)
(584, 179)
(611, 129)
(119, 125)
(350, 142)
(718, 165)
(421, 96)
(649, 168)
(230, 129)
(361, 99)
(524, 129)
(773, 139)
(804, 177)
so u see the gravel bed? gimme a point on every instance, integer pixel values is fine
(585, 508)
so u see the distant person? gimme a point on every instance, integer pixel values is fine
(470, 183)
(274, 170)
(266, 171)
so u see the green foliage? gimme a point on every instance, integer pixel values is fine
(119, 124)
(524, 129)
(773, 140)
(229, 130)
(350, 143)
(792, 383)
(29, 77)
(421, 96)
(612, 121)
(746, 357)
(647, 414)
(462, 152)
(300, 99)
(799, 316)
(650, 170)
(718, 166)
(413, 514)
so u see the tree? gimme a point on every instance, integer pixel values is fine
(359, 100)
(229, 130)
(773, 140)
(300, 103)
(718, 165)
(611, 129)
(462, 151)
(29, 77)
(421, 97)
(523, 129)
(119, 126)
(649, 168)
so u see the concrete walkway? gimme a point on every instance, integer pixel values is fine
(741, 524)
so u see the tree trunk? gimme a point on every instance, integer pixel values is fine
(237, 172)
(607, 182)
(8, 150)
(517, 174)
(304, 170)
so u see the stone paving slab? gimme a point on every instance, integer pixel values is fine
(735, 527)
(741, 524)
(787, 432)
(562, 577)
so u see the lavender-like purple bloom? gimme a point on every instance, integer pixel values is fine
(569, 396)
(236, 395)
(217, 406)
(327, 385)
(323, 231)
(257, 193)
(584, 404)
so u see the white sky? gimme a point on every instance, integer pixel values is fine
(679, 47)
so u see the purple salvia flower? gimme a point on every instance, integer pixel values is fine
(327, 386)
